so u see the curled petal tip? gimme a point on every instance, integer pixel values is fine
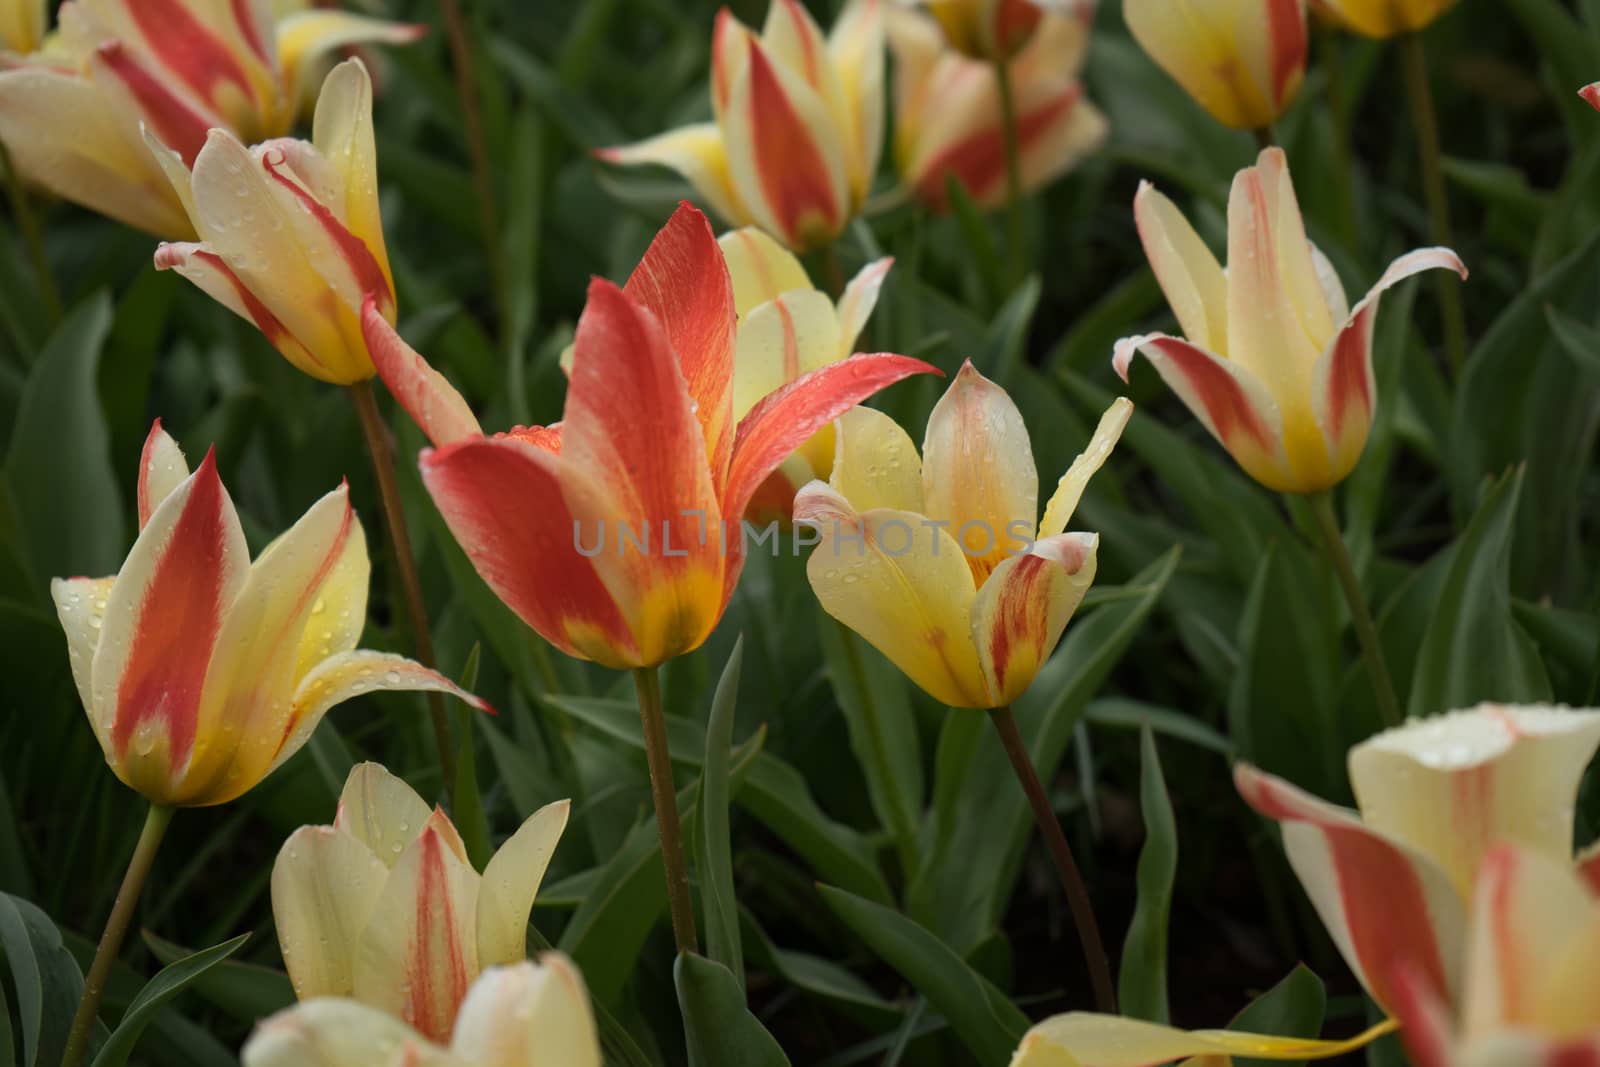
(1591, 95)
(1122, 355)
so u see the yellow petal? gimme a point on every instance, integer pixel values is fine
(306, 36)
(875, 465)
(779, 341)
(1069, 490)
(761, 269)
(81, 607)
(902, 583)
(162, 469)
(529, 1015)
(697, 152)
(1199, 48)
(339, 612)
(977, 469)
(859, 298)
(1022, 609)
(325, 885)
(1453, 785)
(856, 52)
(340, 1033)
(381, 811)
(1186, 269)
(511, 882)
(1081, 1039)
(342, 132)
(22, 25)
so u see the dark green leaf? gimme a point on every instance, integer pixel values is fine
(1142, 982)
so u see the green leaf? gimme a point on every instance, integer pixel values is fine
(720, 1030)
(985, 1020)
(1292, 1008)
(46, 978)
(1142, 982)
(245, 991)
(168, 983)
(716, 854)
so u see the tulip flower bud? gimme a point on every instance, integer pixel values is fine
(1274, 361)
(201, 671)
(1242, 62)
(1383, 18)
(22, 25)
(987, 30)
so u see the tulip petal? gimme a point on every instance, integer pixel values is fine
(432, 402)
(1022, 609)
(730, 53)
(788, 336)
(529, 1015)
(340, 1033)
(699, 154)
(501, 497)
(380, 810)
(1232, 404)
(875, 465)
(1185, 268)
(342, 133)
(1453, 785)
(1591, 95)
(902, 583)
(778, 424)
(1425, 1022)
(417, 956)
(683, 281)
(339, 612)
(1069, 490)
(760, 268)
(856, 53)
(1199, 48)
(792, 39)
(1297, 267)
(305, 36)
(860, 297)
(325, 885)
(140, 95)
(164, 617)
(977, 470)
(81, 607)
(1089, 1040)
(511, 882)
(1589, 866)
(1344, 391)
(1383, 904)
(1269, 37)
(162, 469)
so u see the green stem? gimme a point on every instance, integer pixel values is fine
(1014, 201)
(902, 824)
(32, 237)
(1083, 917)
(1265, 138)
(1426, 122)
(647, 680)
(477, 145)
(94, 986)
(394, 516)
(1360, 615)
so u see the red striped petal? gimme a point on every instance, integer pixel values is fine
(178, 123)
(428, 398)
(1591, 95)
(1228, 410)
(978, 163)
(1286, 36)
(795, 179)
(1425, 1023)
(211, 272)
(353, 251)
(189, 48)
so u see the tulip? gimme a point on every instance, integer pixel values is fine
(949, 119)
(606, 532)
(1532, 973)
(525, 1015)
(1591, 95)
(1243, 63)
(1275, 363)
(937, 561)
(989, 30)
(798, 123)
(291, 237)
(788, 328)
(1383, 18)
(384, 907)
(1086, 1039)
(203, 671)
(71, 114)
(22, 25)
(1393, 881)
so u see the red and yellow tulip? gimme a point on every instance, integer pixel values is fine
(291, 236)
(1086, 1039)
(1273, 361)
(1242, 62)
(948, 118)
(788, 328)
(22, 24)
(384, 907)
(989, 30)
(938, 561)
(70, 115)
(1532, 973)
(798, 123)
(1383, 18)
(615, 533)
(524, 1015)
(1393, 882)
(202, 671)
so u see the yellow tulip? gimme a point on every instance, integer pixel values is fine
(22, 25)
(1383, 18)
(71, 114)
(989, 29)
(938, 562)
(798, 128)
(384, 907)
(525, 1015)
(291, 235)
(1532, 988)
(1242, 62)
(948, 115)
(788, 328)
(1393, 882)
(1274, 361)
(201, 671)
(1084, 1039)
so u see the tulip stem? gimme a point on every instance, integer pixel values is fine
(647, 680)
(1083, 917)
(1265, 138)
(405, 564)
(1013, 146)
(1360, 614)
(472, 125)
(32, 239)
(1426, 121)
(94, 986)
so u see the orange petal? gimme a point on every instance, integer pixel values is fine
(1024, 606)
(431, 401)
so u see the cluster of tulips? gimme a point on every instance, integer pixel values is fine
(719, 383)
